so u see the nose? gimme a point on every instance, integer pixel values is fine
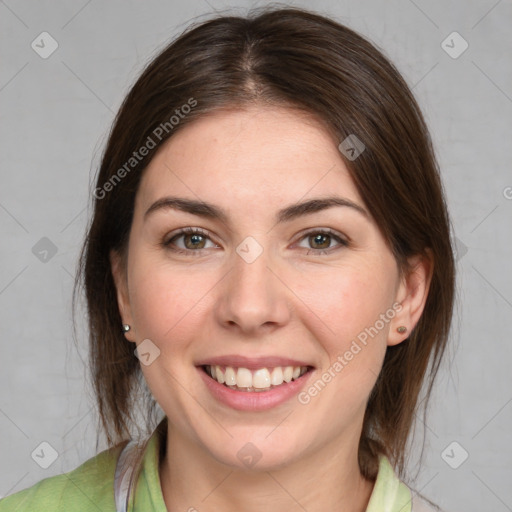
(253, 299)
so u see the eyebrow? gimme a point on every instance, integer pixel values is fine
(210, 211)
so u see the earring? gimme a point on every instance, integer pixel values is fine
(401, 329)
(126, 327)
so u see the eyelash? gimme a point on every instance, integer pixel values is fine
(198, 231)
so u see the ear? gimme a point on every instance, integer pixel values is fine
(412, 295)
(123, 301)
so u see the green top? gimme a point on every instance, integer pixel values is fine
(90, 487)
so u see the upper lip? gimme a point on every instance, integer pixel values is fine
(251, 363)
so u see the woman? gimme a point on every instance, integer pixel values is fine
(270, 250)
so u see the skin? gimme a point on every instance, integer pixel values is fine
(290, 302)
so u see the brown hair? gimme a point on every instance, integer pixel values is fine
(285, 57)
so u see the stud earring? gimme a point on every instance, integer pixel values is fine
(401, 329)
(126, 327)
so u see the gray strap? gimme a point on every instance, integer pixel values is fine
(123, 477)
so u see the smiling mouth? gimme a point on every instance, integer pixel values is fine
(262, 379)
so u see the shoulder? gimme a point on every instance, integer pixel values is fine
(88, 487)
(395, 494)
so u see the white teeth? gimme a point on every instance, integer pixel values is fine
(230, 376)
(219, 375)
(243, 378)
(277, 376)
(261, 379)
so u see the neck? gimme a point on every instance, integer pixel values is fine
(192, 479)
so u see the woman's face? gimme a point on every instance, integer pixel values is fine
(285, 268)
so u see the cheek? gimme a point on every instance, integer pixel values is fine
(353, 308)
(169, 306)
(348, 301)
(352, 336)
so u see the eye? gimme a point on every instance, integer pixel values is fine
(193, 240)
(190, 240)
(320, 241)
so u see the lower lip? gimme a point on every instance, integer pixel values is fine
(254, 400)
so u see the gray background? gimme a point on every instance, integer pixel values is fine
(55, 114)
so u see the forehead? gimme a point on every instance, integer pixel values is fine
(246, 157)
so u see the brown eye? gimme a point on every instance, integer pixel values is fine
(194, 241)
(188, 240)
(321, 242)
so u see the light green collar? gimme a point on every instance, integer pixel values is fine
(389, 494)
